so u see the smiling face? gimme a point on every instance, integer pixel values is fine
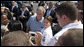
(46, 23)
(4, 19)
(39, 14)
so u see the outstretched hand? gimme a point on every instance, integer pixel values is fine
(38, 37)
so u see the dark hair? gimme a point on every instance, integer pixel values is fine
(17, 38)
(72, 37)
(43, 4)
(15, 25)
(49, 18)
(69, 9)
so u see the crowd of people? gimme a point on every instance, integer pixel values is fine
(51, 24)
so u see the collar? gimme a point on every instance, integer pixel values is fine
(50, 9)
(24, 9)
(73, 25)
(48, 28)
(40, 20)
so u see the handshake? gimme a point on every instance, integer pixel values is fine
(35, 39)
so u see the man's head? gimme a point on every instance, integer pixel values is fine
(51, 4)
(23, 6)
(2, 9)
(66, 13)
(40, 12)
(17, 38)
(4, 19)
(72, 37)
(13, 3)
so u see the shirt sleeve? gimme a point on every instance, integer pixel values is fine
(45, 39)
(52, 41)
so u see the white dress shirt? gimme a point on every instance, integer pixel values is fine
(64, 29)
(22, 14)
(48, 12)
(46, 36)
(12, 7)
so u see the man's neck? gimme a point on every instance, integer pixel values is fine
(38, 19)
(75, 21)
(23, 9)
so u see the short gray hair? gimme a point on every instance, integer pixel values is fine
(42, 8)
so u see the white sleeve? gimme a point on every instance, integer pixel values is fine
(45, 39)
(52, 41)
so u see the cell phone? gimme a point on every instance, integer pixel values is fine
(33, 40)
(33, 34)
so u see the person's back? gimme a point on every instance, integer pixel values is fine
(17, 38)
(73, 37)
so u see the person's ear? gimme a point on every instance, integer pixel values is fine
(64, 16)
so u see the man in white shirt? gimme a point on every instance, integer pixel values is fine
(71, 37)
(67, 16)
